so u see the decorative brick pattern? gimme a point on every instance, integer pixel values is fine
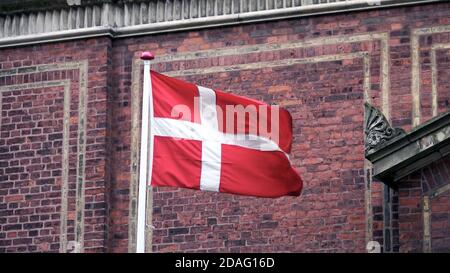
(436, 177)
(32, 146)
(242, 69)
(440, 223)
(271, 225)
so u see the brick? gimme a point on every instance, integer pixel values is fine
(212, 221)
(14, 198)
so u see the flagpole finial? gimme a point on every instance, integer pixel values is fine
(147, 56)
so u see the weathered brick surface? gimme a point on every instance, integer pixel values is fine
(350, 58)
(325, 99)
(440, 223)
(425, 182)
(31, 147)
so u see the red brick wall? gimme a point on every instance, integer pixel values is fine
(32, 145)
(348, 58)
(430, 182)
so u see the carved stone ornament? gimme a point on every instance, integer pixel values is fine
(377, 129)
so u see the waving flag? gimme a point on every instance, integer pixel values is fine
(210, 140)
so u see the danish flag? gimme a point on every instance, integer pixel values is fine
(210, 140)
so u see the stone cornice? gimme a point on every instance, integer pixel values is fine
(122, 18)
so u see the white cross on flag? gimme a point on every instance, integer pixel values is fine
(210, 140)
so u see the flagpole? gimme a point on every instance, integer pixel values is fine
(146, 154)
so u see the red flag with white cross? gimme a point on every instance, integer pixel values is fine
(209, 140)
